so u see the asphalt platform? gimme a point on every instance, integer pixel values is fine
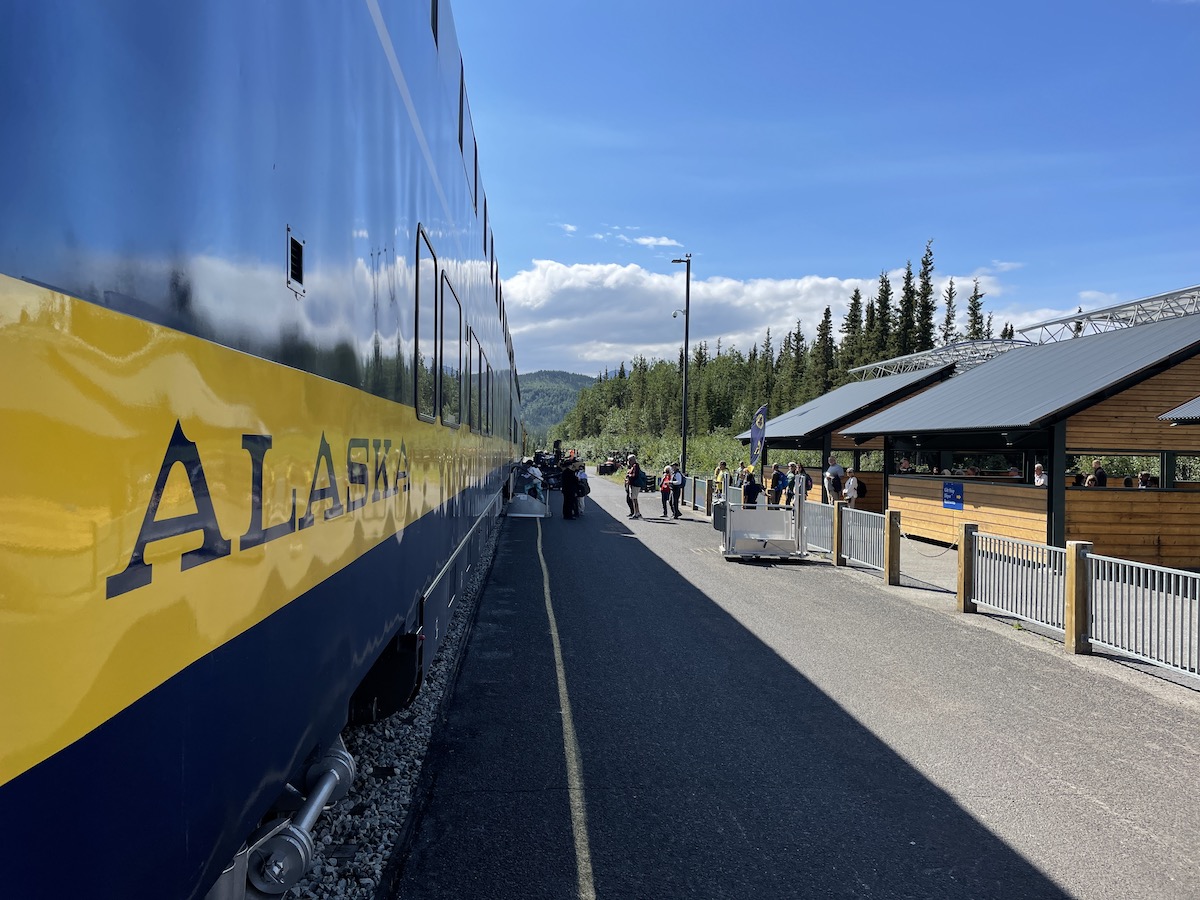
(636, 717)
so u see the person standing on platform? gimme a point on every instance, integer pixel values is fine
(1039, 476)
(750, 489)
(570, 491)
(676, 490)
(850, 490)
(664, 490)
(584, 487)
(834, 476)
(739, 477)
(720, 473)
(1098, 471)
(775, 493)
(635, 478)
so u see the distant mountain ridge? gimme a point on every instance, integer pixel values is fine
(548, 395)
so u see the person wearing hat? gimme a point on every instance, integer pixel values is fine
(850, 488)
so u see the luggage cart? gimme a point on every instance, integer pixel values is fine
(764, 531)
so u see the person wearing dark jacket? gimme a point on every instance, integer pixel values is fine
(570, 490)
(750, 490)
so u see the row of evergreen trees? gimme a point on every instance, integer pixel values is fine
(644, 403)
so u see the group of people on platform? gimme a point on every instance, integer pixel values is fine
(670, 488)
(779, 485)
(530, 480)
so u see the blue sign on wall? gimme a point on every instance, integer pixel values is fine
(952, 495)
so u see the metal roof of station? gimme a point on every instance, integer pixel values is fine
(810, 422)
(1186, 414)
(1034, 386)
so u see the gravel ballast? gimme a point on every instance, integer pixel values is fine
(359, 841)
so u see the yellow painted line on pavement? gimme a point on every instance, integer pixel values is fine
(583, 853)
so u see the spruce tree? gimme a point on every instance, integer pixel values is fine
(881, 338)
(926, 304)
(976, 326)
(821, 358)
(906, 318)
(949, 326)
(852, 333)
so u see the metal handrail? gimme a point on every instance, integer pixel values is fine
(437, 579)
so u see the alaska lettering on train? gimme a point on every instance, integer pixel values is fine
(183, 451)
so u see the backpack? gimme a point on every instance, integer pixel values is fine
(862, 488)
(639, 479)
(835, 483)
(807, 482)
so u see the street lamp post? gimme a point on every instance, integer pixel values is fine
(687, 317)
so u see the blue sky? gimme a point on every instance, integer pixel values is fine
(1051, 149)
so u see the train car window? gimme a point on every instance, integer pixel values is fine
(491, 400)
(462, 107)
(473, 400)
(426, 361)
(484, 368)
(295, 269)
(433, 19)
(485, 227)
(402, 313)
(466, 377)
(451, 355)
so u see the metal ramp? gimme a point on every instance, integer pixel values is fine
(527, 497)
(764, 531)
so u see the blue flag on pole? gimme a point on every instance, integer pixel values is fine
(758, 434)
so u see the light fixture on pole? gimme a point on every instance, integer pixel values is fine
(687, 310)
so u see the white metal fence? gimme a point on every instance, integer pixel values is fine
(1148, 612)
(818, 526)
(1021, 579)
(862, 537)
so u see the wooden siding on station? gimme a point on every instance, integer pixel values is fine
(1160, 528)
(1129, 420)
(1012, 510)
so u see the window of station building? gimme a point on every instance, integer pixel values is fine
(426, 356)
(1120, 469)
(451, 355)
(1187, 471)
(988, 464)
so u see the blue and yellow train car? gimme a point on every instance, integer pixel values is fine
(258, 400)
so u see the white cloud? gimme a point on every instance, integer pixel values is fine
(589, 317)
(1097, 299)
(1001, 266)
(569, 229)
(657, 242)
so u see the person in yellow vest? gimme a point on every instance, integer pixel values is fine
(720, 473)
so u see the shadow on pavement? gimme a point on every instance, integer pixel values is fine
(712, 768)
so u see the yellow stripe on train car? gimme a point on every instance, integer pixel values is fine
(131, 539)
